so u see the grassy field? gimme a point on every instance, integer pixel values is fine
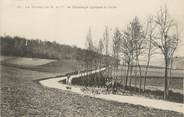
(60, 66)
(155, 77)
(22, 96)
(23, 61)
(42, 65)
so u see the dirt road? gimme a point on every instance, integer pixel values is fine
(137, 100)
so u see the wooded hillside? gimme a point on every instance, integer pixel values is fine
(19, 46)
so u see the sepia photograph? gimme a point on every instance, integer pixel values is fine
(91, 58)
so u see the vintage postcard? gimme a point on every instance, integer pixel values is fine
(92, 58)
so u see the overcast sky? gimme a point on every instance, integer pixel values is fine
(70, 26)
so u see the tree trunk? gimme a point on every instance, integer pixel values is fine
(170, 73)
(148, 62)
(140, 79)
(135, 77)
(131, 69)
(121, 82)
(127, 75)
(146, 72)
(166, 80)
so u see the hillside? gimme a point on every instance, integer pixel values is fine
(43, 65)
(35, 48)
(24, 61)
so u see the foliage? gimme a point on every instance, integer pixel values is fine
(19, 46)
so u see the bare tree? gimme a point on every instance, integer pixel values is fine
(116, 48)
(138, 37)
(100, 57)
(126, 52)
(166, 41)
(100, 51)
(88, 54)
(132, 46)
(106, 47)
(176, 38)
(149, 35)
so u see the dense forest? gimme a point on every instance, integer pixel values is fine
(35, 48)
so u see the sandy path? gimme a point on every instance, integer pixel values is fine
(153, 103)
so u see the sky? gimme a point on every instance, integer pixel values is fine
(70, 26)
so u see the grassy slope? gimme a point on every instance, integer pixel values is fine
(22, 97)
(60, 66)
(24, 61)
(42, 65)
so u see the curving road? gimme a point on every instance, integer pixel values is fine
(136, 100)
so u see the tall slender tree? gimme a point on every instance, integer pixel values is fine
(150, 49)
(116, 50)
(106, 47)
(88, 54)
(166, 41)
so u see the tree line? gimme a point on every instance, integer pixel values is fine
(158, 35)
(35, 48)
